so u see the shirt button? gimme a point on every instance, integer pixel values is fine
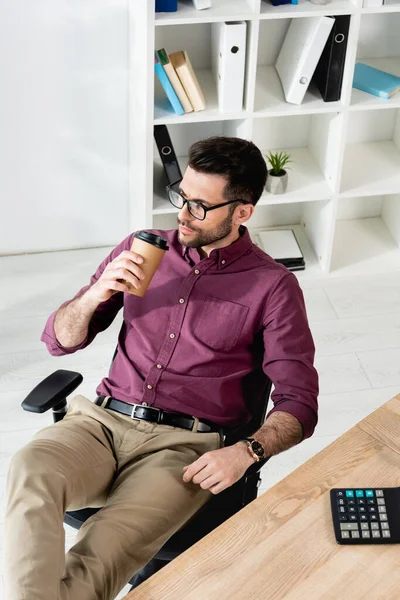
(149, 387)
(196, 271)
(222, 262)
(172, 335)
(181, 300)
(144, 404)
(159, 366)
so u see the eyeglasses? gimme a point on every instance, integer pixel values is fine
(195, 208)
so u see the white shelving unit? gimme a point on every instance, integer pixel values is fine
(343, 198)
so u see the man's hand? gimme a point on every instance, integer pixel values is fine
(219, 469)
(118, 276)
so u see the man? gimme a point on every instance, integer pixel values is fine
(217, 311)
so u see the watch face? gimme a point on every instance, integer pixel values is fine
(257, 448)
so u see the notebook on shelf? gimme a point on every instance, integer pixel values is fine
(282, 246)
(374, 81)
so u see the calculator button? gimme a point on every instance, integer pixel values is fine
(373, 517)
(379, 493)
(385, 525)
(381, 501)
(343, 518)
(349, 494)
(359, 493)
(369, 493)
(370, 501)
(386, 533)
(363, 518)
(372, 509)
(345, 534)
(340, 494)
(352, 509)
(351, 502)
(354, 518)
(355, 534)
(349, 526)
(365, 534)
(375, 526)
(383, 517)
(376, 534)
(362, 509)
(341, 502)
(360, 501)
(342, 509)
(382, 509)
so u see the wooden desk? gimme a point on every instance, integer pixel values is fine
(282, 545)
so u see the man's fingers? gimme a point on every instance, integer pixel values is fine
(194, 468)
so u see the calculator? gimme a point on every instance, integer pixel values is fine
(366, 515)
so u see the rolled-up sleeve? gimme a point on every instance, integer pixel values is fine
(103, 316)
(289, 354)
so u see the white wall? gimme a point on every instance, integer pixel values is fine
(63, 124)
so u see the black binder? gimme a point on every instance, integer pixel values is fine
(167, 154)
(328, 74)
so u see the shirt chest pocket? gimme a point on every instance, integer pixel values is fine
(219, 323)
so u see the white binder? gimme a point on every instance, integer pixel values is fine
(202, 4)
(300, 53)
(228, 63)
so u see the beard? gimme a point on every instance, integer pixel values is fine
(205, 238)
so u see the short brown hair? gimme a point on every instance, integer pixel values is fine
(236, 159)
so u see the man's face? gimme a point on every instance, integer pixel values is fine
(207, 190)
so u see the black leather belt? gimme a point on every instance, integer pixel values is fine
(157, 415)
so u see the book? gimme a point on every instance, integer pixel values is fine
(202, 4)
(166, 5)
(163, 58)
(302, 47)
(182, 65)
(328, 75)
(374, 81)
(282, 246)
(169, 90)
(228, 42)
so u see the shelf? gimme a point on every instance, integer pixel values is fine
(364, 246)
(305, 8)
(306, 181)
(164, 113)
(371, 169)
(363, 101)
(270, 99)
(222, 10)
(388, 7)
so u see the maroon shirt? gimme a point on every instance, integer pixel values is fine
(199, 339)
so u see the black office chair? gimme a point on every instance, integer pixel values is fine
(52, 393)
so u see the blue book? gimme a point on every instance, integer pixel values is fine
(374, 81)
(169, 90)
(166, 5)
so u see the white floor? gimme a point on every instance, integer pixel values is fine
(355, 320)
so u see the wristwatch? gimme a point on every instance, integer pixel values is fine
(255, 448)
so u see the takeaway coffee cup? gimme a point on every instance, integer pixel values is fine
(152, 248)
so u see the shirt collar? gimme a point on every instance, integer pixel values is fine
(224, 256)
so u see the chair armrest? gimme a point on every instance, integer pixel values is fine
(52, 391)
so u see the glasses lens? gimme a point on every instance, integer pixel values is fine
(196, 210)
(175, 198)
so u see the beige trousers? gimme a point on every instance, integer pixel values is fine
(96, 457)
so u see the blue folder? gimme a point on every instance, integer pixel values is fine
(166, 5)
(169, 90)
(374, 81)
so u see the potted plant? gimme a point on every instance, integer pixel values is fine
(277, 179)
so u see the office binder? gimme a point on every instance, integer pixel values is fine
(228, 41)
(299, 55)
(166, 5)
(202, 4)
(282, 246)
(328, 75)
(167, 154)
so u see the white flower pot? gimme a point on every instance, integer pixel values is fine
(276, 185)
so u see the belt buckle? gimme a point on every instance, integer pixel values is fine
(153, 408)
